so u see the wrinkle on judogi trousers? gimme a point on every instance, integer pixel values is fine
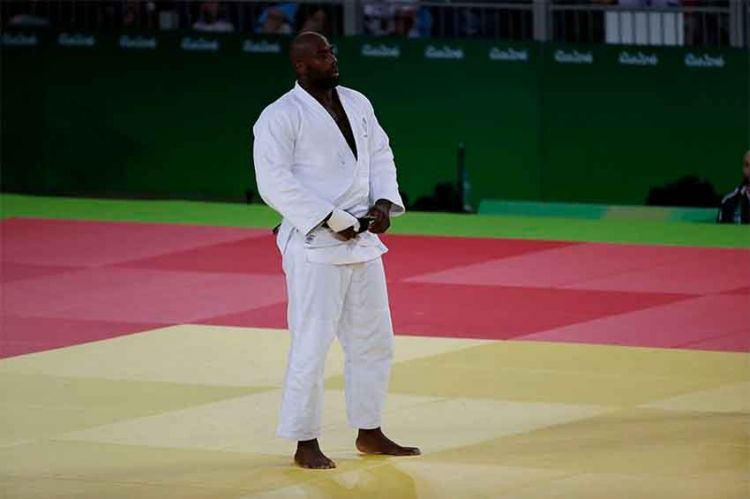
(347, 301)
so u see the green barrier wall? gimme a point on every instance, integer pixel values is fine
(170, 115)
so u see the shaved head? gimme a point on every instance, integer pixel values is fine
(305, 44)
(313, 61)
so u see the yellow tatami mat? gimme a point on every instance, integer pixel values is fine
(190, 411)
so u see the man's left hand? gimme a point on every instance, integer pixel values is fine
(381, 216)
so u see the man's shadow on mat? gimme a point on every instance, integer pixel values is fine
(379, 481)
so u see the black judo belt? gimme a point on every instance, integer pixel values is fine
(364, 224)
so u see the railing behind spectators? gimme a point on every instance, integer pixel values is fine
(639, 22)
(504, 19)
(646, 22)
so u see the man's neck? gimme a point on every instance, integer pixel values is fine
(322, 95)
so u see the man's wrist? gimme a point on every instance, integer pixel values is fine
(384, 204)
(339, 220)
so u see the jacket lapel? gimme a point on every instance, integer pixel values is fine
(353, 117)
(326, 119)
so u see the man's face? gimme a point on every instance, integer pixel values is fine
(746, 167)
(320, 65)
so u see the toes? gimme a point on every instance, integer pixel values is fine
(319, 465)
(406, 451)
(325, 465)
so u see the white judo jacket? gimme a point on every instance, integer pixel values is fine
(305, 170)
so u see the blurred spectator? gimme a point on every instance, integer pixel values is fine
(405, 21)
(469, 23)
(130, 14)
(213, 19)
(397, 17)
(276, 19)
(735, 207)
(314, 18)
(378, 18)
(29, 16)
(412, 21)
(139, 14)
(641, 4)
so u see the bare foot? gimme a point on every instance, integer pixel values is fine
(309, 456)
(374, 442)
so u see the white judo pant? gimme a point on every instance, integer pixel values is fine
(326, 301)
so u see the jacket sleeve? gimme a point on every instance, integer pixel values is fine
(383, 181)
(273, 156)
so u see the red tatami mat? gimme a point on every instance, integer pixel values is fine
(410, 256)
(140, 295)
(729, 270)
(407, 256)
(10, 271)
(270, 316)
(66, 282)
(745, 290)
(71, 243)
(669, 326)
(733, 342)
(255, 255)
(498, 312)
(573, 264)
(21, 335)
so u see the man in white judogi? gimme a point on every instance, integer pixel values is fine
(324, 163)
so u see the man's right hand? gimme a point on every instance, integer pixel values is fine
(346, 234)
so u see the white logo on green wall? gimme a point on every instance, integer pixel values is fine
(509, 54)
(704, 61)
(138, 42)
(20, 40)
(574, 57)
(638, 59)
(444, 52)
(76, 40)
(382, 50)
(261, 47)
(199, 44)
